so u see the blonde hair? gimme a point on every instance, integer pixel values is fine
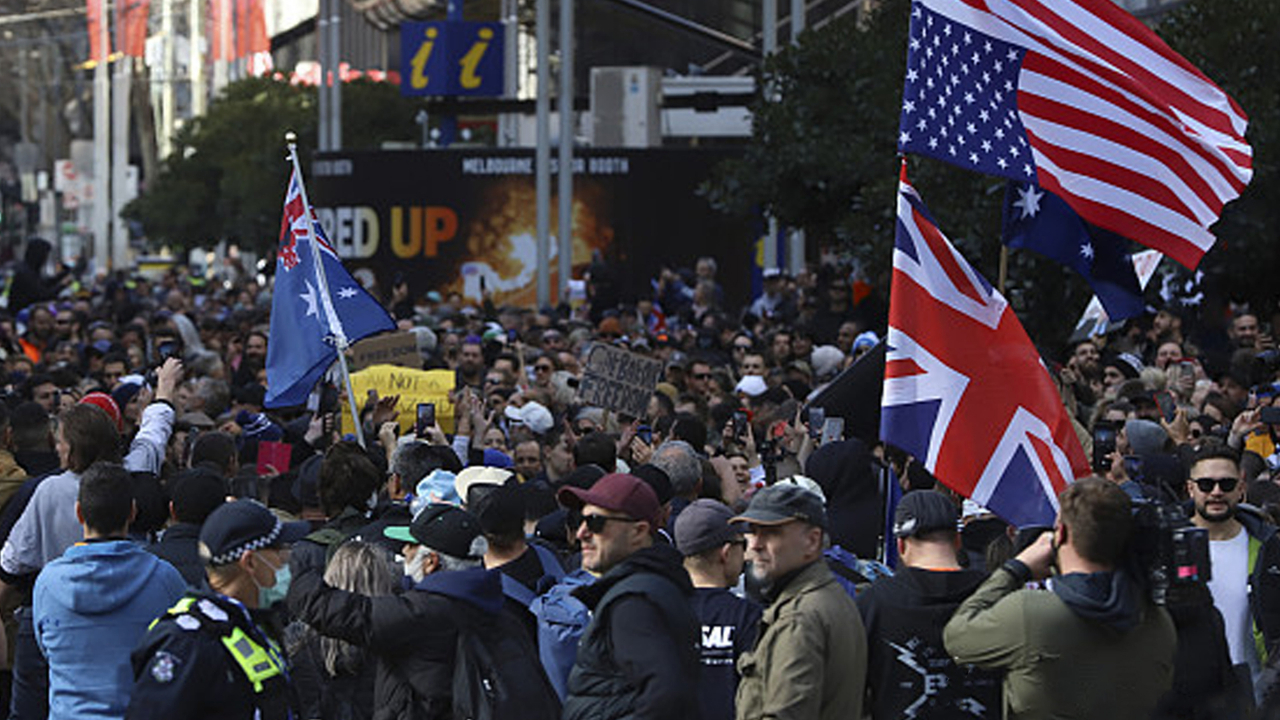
(360, 567)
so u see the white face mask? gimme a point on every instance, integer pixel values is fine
(413, 566)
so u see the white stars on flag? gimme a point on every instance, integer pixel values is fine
(956, 103)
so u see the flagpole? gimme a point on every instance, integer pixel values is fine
(340, 337)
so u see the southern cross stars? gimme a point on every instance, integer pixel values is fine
(1029, 201)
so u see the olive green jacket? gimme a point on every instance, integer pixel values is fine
(810, 658)
(1058, 664)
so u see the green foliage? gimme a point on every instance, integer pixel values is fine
(1233, 42)
(226, 177)
(823, 154)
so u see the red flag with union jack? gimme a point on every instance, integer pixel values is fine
(965, 391)
(1085, 100)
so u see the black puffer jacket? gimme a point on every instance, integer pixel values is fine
(639, 657)
(414, 634)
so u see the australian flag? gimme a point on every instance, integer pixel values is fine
(309, 324)
(965, 391)
(1038, 220)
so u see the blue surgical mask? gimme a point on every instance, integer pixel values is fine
(268, 596)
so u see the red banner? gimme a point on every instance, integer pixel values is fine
(241, 24)
(256, 29)
(136, 14)
(93, 11)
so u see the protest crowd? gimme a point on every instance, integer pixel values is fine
(172, 548)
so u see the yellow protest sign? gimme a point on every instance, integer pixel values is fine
(413, 387)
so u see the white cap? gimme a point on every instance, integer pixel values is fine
(478, 475)
(533, 415)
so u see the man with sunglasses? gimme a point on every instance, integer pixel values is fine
(698, 378)
(1245, 554)
(638, 657)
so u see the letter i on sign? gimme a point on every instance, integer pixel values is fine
(419, 79)
(469, 80)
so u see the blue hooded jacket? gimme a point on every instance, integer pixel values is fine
(91, 607)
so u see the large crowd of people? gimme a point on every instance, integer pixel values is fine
(720, 556)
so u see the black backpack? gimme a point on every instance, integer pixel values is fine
(497, 675)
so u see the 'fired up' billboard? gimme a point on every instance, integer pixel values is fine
(444, 219)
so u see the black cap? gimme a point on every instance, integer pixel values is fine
(782, 503)
(658, 480)
(444, 528)
(238, 527)
(924, 511)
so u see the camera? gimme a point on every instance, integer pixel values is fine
(1171, 554)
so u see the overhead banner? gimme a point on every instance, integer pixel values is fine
(463, 220)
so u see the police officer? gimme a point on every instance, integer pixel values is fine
(211, 655)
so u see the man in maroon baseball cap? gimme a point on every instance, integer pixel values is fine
(638, 656)
(618, 517)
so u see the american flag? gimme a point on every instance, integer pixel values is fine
(1083, 99)
(964, 389)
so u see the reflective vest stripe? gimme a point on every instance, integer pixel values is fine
(253, 659)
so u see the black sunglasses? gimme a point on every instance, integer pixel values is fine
(1206, 484)
(596, 523)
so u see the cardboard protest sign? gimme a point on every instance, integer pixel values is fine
(400, 348)
(619, 380)
(413, 387)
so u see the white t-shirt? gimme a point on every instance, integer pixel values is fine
(1230, 588)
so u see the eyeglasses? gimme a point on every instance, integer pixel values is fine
(701, 376)
(597, 523)
(542, 368)
(1206, 484)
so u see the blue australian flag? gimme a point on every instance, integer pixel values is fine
(1037, 220)
(308, 324)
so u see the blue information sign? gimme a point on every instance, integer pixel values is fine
(451, 58)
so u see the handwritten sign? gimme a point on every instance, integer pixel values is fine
(413, 387)
(399, 348)
(619, 380)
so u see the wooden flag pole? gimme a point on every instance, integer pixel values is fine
(1004, 268)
